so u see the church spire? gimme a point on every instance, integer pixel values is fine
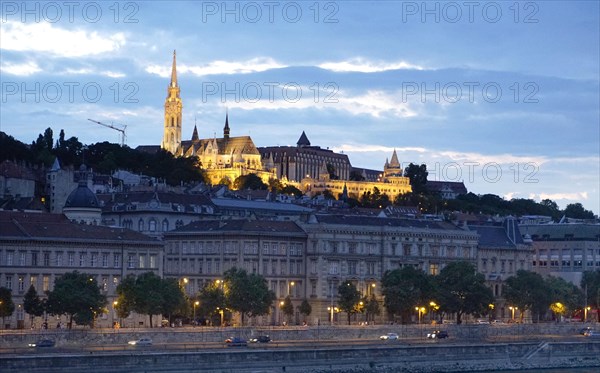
(174, 71)
(226, 128)
(195, 133)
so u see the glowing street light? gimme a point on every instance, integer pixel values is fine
(513, 311)
(420, 311)
(196, 303)
(222, 314)
(288, 287)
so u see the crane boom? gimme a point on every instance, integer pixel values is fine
(121, 130)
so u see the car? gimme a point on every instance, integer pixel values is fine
(498, 322)
(261, 339)
(483, 322)
(236, 342)
(592, 334)
(389, 337)
(437, 334)
(141, 342)
(583, 331)
(43, 343)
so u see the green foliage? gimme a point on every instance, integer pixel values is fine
(406, 288)
(418, 177)
(247, 294)
(590, 283)
(576, 211)
(7, 306)
(78, 296)
(356, 176)
(376, 199)
(462, 290)
(527, 290)
(287, 307)
(331, 172)
(148, 294)
(348, 299)
(305, 308)
(212, 299)
(250, 181)
(32, 303)
(371, 307)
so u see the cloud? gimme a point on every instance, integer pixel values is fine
(219, 67)
(365, 66)
(48, 38)
(376, 148)
(23, 69)
(576, 196)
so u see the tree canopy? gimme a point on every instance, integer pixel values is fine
(348, 298)
(406, 288)
(32, 304)
(462, 290)
(247, 294)
(7, 306)
(78, 296)
(527, 290)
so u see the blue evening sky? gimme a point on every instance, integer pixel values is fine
(501, 95)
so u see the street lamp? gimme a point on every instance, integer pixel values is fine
(513, 311)
(420, 310)
(196, 303)
(114, 312)
(288, 287)
(222, 314)
(585, 312)
(281, 311)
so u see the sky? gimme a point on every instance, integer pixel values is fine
(503, 96)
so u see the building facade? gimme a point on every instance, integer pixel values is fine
(202, 251)
(304, 160)
(501, 252)
(36, 249)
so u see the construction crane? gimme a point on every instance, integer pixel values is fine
(121, 130)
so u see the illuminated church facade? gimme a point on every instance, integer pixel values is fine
(305, 167)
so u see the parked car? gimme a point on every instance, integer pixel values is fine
(437, 334)
(43, 343)
(261, 339)
(498, 322)
(483, 322)
(236, 342)
(141, 342)
(389, 336)
(583, 331)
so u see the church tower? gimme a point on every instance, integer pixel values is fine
(173, 108)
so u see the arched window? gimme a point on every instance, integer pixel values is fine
(140, 225)
(152, 225)
(165, 225)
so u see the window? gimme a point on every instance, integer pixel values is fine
(81, 259)
(131, 261)
(352, 267)
(115, 281)
(370, 268)
(34, 259)
(104, 260)
(313, 266)
(434, 269)
(33, 281)
(104, 283)
(116, 260)
(71, 259)
(153, 262)
(21, 283)
(94, 259)
(142, 261)
(8, 283)
(334, 267)
(46, 283)
(46, 259)
(274, 267)
(9, 258)
(140, 225)
(265, 249)
(152, 225)
(22, 258)
(165, 225)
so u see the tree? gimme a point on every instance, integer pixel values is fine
(349, 297)
(287, 307)
(418, 177)
(590, 283)
(250, 181)
(125, 297)
(305, 309)
(576, 211)
(247, 294)
(7, 306)
(528, 291)
(565, 293)
(371, 308)
(331, 172)
(404, 289)
(78, 296)
(462, 290)
(356, 176)
(212, 300)
(32, 303)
